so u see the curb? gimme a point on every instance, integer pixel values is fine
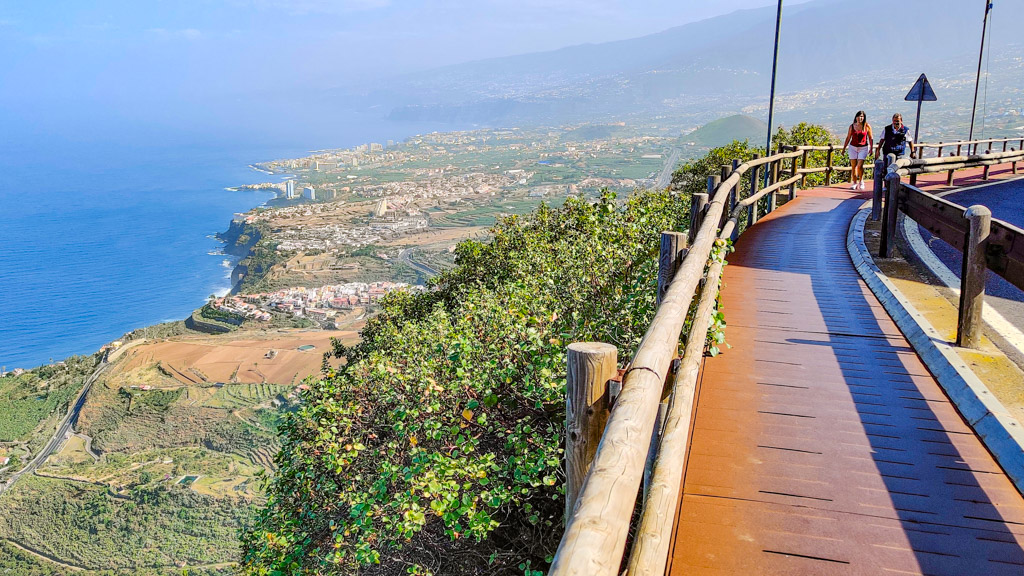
(998, 430)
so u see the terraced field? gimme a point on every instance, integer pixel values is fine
(234, 396)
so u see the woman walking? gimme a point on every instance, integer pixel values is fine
(859, 142)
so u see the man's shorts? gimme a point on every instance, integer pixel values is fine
(858, 152)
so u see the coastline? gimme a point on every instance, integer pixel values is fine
(237, 253)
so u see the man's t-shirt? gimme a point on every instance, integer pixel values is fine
(894, 141)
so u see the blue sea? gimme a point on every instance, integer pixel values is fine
(97, 242)
(100, 236)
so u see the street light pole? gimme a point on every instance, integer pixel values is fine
(771, 98)
(977, 79)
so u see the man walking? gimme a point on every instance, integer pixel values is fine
(895, 139)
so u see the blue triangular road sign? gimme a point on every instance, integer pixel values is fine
(922, 91)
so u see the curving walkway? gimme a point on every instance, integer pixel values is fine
(821, 444)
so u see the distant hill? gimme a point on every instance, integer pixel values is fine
(725, 130)
(720, 64)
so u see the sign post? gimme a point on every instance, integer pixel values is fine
(920, 92)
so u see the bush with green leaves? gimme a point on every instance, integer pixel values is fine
(437, 446)
(692, 176)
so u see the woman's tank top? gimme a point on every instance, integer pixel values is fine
(860, 138)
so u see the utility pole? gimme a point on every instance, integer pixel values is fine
(771, 98)
(977, 79)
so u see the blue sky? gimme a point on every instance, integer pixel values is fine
(182, 62)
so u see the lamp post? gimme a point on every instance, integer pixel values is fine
(771, 97)
(977, 79)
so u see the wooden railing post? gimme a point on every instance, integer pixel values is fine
(1013, 165)
(698, 206)
(828, 166)
(803, 165)
(972, 277)
(938, 153)
(792, 174)
(776, 167)
(754, 177)
(985, 169)
(734, 198)
(876, 194)
(673, 250)
(590, 366)
(888, 238)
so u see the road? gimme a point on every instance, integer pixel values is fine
(665, 178)
(403, 256)
(62, 432)
(1004, 199)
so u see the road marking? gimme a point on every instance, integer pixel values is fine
(976, 186)
(1001, 325)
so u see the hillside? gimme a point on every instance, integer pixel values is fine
(728, 57)
(724, 130)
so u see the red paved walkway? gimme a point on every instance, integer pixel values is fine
(821, 444)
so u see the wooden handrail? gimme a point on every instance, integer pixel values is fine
(986, 243)
(599, 522)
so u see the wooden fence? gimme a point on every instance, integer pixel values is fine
(985, 243)
(628, 431)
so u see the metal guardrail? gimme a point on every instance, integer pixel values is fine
(621, 445)
(986, 243)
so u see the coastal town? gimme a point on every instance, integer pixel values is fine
(321, 304)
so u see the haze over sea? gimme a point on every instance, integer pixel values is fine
(100, 239)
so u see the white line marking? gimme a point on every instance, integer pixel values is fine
(1001, 325)
(976, 186)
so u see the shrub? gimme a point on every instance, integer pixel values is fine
(439, 441)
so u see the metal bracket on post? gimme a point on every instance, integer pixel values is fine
(972, 277)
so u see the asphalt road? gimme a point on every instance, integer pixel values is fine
(61, 434)
(665, 178)
(1006, 200)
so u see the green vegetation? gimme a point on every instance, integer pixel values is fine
(37, 395)
(233, 396)
(692, 176)
(438, 442)
(725, 130)
(211, 313)
(154, 526)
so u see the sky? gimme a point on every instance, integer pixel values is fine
(71, 68)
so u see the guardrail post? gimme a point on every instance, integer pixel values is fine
(803, 165)
(887, 241)
(972, 277)
(754, 173)
(1013, 165)
(776, 167)
(938, 153)
(673, 250)
(985, 169)
(698, 206)
(590, 366)
(828, 166)
(876, 194)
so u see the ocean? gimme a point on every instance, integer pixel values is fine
(101, 236)
(98, 241)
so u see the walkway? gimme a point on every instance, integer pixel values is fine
(821, 444)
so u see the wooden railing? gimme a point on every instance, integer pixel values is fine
(632, 433)
(986, 243)
(969, 146)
